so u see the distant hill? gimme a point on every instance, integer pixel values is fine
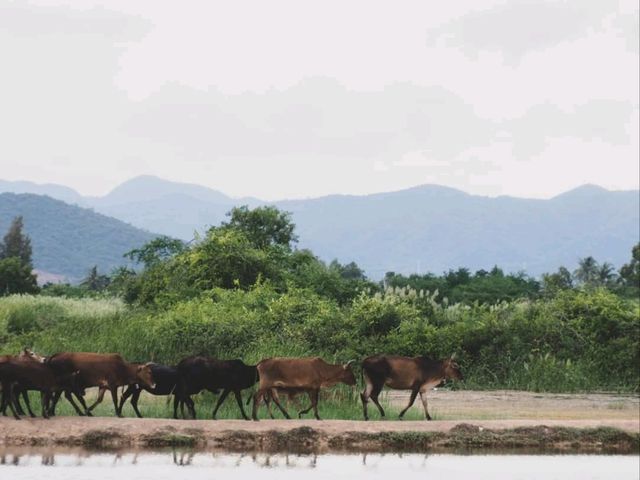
(68, 240)
(426, 228)
(433, 228)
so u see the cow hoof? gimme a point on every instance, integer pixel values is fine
(255, 419)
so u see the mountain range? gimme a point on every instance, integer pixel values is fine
(426, 228)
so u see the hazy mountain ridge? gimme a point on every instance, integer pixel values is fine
(425, 228)
(67, 240)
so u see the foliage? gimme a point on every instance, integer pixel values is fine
(462, 286)
(630, 274)
(15, 243)
(263, 226)
(16, 277)
(15, 261)
(579, 340)
(94, 281)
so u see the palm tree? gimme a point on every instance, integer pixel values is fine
(606, 274)
(588, 271)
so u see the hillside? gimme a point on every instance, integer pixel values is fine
(67, 240)
(426, 228)
(432, 228)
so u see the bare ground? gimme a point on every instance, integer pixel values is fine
(496, 419)
(512, 405)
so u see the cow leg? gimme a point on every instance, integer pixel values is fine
(25, 397)
(134, 402)
(414, 394)
(125, 395)
(45, 398)
(364, 396)
(54, 402)
(276, 400)
(257, 398)
(191, 406)
(314, 394)
(114, 397)
(220, 401)
(374, 396)
(176, 400)
(267, 402)
(99, 399)
(68, 394)
(11, 401)
(238, 396)
(423, 397)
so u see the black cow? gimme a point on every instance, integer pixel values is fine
(199, 373)
(166, 381)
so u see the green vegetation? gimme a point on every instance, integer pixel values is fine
(244, 291)
(15, 261)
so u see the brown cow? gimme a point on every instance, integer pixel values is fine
(108, 371)
(298, 375)
(418, 374)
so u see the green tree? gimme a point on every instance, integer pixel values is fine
(555, 282)
(630, 272)
(16, 243)
(16, 277)
(16, 270)
(94, 281)
(155, 251)
(263, 226)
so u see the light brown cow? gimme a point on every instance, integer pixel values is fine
(418, 374)
(106, 371)
(298, 375)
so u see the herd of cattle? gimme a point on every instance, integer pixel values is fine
(71, 373)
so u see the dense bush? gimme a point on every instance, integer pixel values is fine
(576, 341)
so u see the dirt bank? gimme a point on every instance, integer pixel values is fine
(319, 436)
(465, 420)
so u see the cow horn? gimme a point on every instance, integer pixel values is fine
(453, 356)
(350, 362)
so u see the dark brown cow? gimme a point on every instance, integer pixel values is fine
(418, 374)
(296, 375)
(108, 371)
(22, 375)
(24, 355)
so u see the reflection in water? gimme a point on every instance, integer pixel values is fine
(71, 465)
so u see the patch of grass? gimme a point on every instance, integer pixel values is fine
(104, 439)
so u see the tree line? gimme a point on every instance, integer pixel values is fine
(258, 246)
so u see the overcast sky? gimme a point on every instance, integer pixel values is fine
(280, 99)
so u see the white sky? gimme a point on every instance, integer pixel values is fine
(297, 99)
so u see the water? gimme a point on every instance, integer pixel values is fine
(196, 466)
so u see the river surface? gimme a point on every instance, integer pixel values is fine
(201, 465)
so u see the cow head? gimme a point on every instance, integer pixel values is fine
(27, 354)
(347, 375)
(145, 376)
(452, 369)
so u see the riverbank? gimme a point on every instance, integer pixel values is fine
(310, 436)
